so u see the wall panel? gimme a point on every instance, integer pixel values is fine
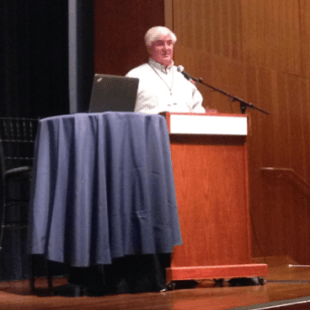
(281, 120)
(305, 99)
(259, 50)
(207, 21)
(119, 29)
(304, 9)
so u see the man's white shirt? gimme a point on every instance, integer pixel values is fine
(163, 90)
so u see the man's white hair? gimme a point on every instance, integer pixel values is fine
(153, 34)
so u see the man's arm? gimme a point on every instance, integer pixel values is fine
(197, 102)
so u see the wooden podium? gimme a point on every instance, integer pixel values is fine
(210, 164)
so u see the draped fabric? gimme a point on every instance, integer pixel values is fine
(34, 83)
(102, 188)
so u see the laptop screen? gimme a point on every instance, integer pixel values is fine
(113, 93)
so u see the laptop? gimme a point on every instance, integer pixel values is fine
(113, 93)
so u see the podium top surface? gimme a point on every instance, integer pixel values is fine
(207, 124)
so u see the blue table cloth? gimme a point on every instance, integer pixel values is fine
(102, 188)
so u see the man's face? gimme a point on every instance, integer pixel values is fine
(162, 50)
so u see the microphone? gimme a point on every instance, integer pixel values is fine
(185, 74)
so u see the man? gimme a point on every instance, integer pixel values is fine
(161, 87)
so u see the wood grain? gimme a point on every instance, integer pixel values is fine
(119, 28)
(211, 188)
(259, 51)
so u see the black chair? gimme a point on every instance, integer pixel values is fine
(17, 137)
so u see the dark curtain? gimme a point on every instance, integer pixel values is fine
(85, 53)
(34, 62)
(34, 78)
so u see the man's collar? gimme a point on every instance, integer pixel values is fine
(160, 66)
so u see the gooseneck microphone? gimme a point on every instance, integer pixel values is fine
(185, 74)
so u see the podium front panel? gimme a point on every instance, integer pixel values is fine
(212, 197)
(210, 165)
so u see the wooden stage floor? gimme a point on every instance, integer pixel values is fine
(283, 283)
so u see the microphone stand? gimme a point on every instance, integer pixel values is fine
(243, 104)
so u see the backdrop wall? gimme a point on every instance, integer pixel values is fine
(259, 51)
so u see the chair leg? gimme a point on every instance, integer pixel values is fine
(3, 207)
(49, 276)
(31, 273)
